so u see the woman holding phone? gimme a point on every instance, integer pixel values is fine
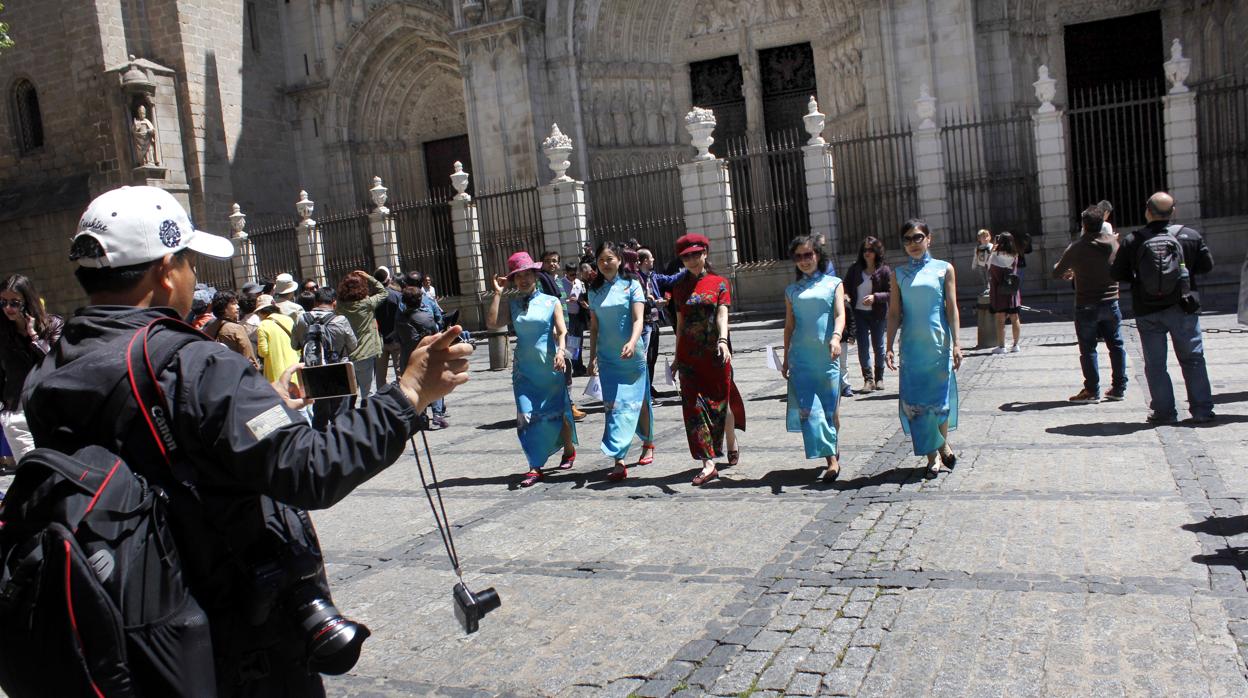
(618, 358)
(543, 406)
(711, 403)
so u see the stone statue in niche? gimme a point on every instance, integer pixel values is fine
(145, 148)
(654, 135)
(637, 121)
(602, 114)
(619, 112)
(667, 112)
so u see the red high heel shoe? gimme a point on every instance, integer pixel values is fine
(703, 479)
(531, 478)
(648, 459)
(568, 461)
(618, 474)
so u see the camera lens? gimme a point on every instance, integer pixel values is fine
(334, 642)
(487, 600)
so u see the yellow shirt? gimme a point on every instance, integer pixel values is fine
(273, 345)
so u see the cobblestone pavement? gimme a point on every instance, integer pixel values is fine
(1074, 550)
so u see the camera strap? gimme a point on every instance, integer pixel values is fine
(439, 510)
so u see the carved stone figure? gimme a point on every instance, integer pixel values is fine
(619, 112)
(713, 16)
(636, 120)
(650, 104)
(667, 113)
(145, 152)
(606, 122)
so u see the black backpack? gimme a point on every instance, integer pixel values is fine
(318, 349)
(93, 599)
(1158, 259)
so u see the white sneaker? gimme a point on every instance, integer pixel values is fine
(999, 350)
(1014, 349)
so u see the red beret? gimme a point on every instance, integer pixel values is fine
(693, 242)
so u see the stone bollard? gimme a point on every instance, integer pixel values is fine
(985, 322)
(500, 357)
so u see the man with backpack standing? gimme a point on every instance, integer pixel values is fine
(236, 464)
(1161, 262)
(323, 337)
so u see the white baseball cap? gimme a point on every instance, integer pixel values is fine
(136, 225)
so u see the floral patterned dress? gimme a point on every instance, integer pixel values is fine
(928, 396)
(814, 376)
(706, 386)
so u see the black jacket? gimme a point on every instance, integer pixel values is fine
(19, 356)
(881, 287)
(241, 443)
(1196, 256)
(410, 326)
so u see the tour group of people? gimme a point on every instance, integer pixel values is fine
(916, 304)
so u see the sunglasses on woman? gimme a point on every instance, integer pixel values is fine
(803, 256)
(914, 238)
(16, 304)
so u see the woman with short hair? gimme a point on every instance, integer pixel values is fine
(1004, 288)
(359, 294)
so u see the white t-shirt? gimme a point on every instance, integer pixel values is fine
(864, 290)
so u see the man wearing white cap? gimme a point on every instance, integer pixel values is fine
(246, 454)
(284, 288)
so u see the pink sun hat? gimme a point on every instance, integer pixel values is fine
(521, 261)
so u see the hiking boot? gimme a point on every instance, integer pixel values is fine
(1115, 394)
(1085, 395)
(1154, 418)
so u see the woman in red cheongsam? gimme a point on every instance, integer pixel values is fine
(712, 404)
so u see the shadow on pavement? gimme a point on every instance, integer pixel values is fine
(1227, 398)
(1037, 406)
(1101, 428)
(1219, 525)
(760, 398)
(1060, 344)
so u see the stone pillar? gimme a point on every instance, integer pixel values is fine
(467, 232)
(1182, 151)
(929, 172)
(381, 229)
(562, 202)
(820, 180)
(707, 192)
(243, 263)
(311, 248)
(1051, 176)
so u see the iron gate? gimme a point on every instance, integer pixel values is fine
(347, 245)
(876, 189)
(277, 250)
(990, 174)
(643, 203)
(1222, 135)
(426, 241)
(768, 194)
(511, 221)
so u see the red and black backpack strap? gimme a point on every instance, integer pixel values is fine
(150, 351)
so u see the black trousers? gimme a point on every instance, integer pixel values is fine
(652, 352)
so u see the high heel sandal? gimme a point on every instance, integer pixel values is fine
(618, 474)
(704, 478)
(949, 460)
(932, 469)
(829, 475)
(531, 478)
(646, 460)
(568, 460)
(734, 457)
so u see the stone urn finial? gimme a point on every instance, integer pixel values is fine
(378, 194)
(814, 121)
(557, 147)
(238, 221)
(1177, 68)
(701, 123)
(925, 107)
(459, 180)
(1046, 90)
(305, 207)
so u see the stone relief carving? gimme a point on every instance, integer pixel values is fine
(637, 119)
(714, 16)
(606, 121)
(1072, 11)
(650, 107)
(629, 113)
(619, 111)
(145, 148)
(667, 112)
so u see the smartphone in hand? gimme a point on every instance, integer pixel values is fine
(328, 380)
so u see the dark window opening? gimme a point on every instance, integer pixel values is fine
(787, 75)
(716, 85)
(28, 121)
(440, 158)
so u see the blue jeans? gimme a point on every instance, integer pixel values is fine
(870, 335)
(1184, 332)
(1095, 322)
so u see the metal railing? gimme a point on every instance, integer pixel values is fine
(426, 241)
(990, 174)
(768, 194)
(511, 221)
(1117, 147)
(346, 242)
(876, 188)
(217, 273)
(643, 203)
(277, 249)
(1222, 137)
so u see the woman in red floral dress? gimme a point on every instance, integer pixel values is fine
(712, 405)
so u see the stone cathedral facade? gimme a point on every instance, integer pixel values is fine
(254, 100)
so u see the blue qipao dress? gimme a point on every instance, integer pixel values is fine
(542, 400)
(814, 376)
(929, 387)
(625, 382)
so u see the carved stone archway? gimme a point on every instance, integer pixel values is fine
(397, 86)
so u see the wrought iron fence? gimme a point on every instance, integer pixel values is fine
(990, 174)
(768, 193)
(277, 250)
(1117, 147)
(346, 242)
(217, 273)
(876, 188)
(511, 221)
(426, 241)
(1222, 137)
(643, 203)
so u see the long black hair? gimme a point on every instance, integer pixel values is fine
(821, 257)
(617, 249)
(12, 335)
(871, 243)
(1006, 244)
(915, 224)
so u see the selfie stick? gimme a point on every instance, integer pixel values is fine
(444, 523)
